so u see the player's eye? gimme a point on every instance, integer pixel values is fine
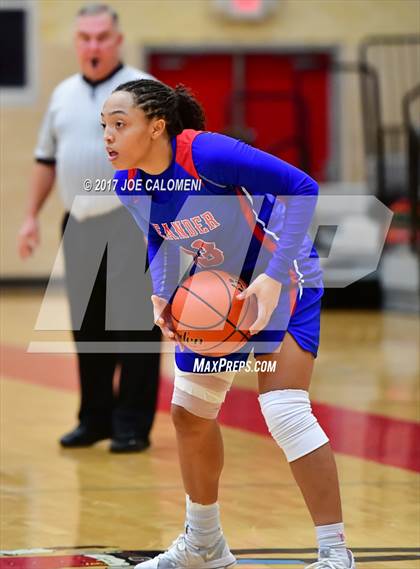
(119, 124)
(103, 125)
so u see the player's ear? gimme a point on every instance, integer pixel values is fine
(158, 128)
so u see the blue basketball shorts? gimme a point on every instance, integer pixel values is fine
(298, 313)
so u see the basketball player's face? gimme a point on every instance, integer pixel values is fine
(97, 42)
(131, 139)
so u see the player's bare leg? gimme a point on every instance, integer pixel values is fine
(315, 472)
(321, 492)
(200, 451)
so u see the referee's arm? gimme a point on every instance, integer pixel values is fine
(41, 183)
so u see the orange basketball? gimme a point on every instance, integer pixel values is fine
(208, 317)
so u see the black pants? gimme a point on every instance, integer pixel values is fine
(115, 244)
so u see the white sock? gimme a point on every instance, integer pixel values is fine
(202, 524)
(332, 537)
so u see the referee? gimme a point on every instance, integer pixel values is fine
(71, 149)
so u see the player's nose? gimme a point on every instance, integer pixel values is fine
(108, 137)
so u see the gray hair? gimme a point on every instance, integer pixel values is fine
(95, 9)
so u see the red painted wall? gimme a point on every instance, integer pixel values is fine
(285, 103)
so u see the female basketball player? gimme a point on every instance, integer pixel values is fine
(218, 200)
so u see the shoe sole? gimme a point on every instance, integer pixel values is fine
(226, 564)
(128, 449)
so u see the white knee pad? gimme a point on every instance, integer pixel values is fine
(201, 394)
(290, 420)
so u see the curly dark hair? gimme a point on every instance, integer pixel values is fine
(178, 106)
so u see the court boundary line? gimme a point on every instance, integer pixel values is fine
(377, 438)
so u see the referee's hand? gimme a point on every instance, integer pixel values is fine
(28, 237)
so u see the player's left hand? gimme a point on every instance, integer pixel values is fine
(267, 291)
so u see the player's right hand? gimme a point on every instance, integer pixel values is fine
(28, 237)
(162, 317)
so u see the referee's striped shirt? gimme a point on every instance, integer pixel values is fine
(71, 137)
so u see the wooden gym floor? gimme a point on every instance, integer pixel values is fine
(88, 508)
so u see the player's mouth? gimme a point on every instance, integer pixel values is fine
(94, 62)
(112, 154)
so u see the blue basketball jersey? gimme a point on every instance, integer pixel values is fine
(227, 206)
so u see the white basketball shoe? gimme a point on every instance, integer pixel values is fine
(328, 559)
(184, 556)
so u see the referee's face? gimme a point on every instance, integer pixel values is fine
(131, 139)
(97, 43)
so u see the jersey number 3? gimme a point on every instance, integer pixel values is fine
(205, 253)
